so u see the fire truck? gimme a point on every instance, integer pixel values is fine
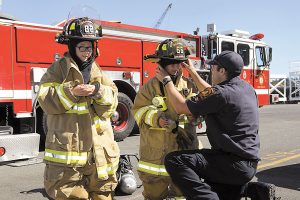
(256, 54)
(27, 49)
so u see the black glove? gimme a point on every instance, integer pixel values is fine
(185, 140)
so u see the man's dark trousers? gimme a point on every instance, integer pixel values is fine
(201, 174)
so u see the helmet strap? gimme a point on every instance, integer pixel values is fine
(165, 62)
(97, 51)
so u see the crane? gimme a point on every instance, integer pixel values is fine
(162, 16)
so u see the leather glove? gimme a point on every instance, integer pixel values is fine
(186, 140)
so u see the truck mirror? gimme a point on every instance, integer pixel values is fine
(269, 55)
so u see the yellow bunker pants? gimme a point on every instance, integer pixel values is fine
(161, 189)
(63, 183)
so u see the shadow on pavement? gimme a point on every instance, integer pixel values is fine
(38, 190)
(285, 176)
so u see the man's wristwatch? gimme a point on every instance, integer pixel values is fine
(166, 80)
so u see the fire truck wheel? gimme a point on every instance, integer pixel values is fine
(123, 121)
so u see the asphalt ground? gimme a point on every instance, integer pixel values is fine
(280, 164)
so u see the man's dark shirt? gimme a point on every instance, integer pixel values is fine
(231, 112)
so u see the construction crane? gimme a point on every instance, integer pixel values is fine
(157, 25)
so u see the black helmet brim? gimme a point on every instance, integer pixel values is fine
(155, 59)
(84, 38)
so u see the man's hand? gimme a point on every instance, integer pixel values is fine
(161, 73)
(200, 83)
(83, 90)
(188, 65)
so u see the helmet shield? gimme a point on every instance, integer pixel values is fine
(83, 23)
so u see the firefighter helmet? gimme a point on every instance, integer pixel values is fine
(170, 49)
(80, 28)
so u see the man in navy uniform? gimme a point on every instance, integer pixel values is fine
(230, 109)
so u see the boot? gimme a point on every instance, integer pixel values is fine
(261, 191)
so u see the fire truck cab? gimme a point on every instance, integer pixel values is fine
(256, 54)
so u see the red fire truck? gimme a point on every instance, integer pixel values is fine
(27, 50)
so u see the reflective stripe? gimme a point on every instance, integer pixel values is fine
(66, 102)
(154, 169)
(49, 84)
(80, 108)
(149, 116)
(107, 97)
(180, 198)
(138, 115)
(65, 157)
(158, 129)
(108, 169)
(44, 88)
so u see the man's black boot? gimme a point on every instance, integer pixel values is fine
(260, 191)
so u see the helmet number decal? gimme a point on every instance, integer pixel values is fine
(179, 50)
(88, 28)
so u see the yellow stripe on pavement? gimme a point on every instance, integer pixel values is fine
(278, 161)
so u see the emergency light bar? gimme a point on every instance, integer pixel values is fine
(257, 36)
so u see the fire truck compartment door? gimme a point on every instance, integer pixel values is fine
(6, 70)
(120, 53)
(148, 67)
(37, 45)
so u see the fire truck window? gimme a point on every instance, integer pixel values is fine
(243, 50)
(212, 49)
(227, 46)
(204, 46)
(260, 56)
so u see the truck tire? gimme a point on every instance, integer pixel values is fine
(125, 123)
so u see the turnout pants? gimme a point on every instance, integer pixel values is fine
(159, 188)
(63, 183)
(209, 174)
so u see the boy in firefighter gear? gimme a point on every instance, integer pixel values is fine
(81, 155)
(159, 124)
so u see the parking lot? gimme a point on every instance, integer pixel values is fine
(280, 164)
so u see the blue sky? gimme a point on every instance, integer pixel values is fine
(278, 20)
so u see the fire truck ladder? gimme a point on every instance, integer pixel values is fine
(158, 23)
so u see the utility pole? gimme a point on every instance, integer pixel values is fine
(157, 25)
